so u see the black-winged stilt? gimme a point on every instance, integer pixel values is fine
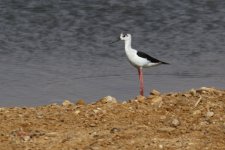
(138, 59)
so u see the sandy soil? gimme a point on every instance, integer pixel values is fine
(192, 120)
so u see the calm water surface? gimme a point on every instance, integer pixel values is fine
(59, 49)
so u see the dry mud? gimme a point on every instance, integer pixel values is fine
(193, 120)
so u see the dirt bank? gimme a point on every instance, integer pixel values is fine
(190, 120)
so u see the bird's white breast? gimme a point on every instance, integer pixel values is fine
(135, 60)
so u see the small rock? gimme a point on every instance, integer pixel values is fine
(140, 98)
(172, 94)
(150, 97)
(80, 102)
(95, 111)
(203, 123)
(77, 112)
(51, 134)
(39, 116)
(2, 109)
(187, 95)
(163, 117)
(20, 115)
(26, 138)
(53, 105)
(160, 146)
(154, 92)
(67, 103)
(209, 114)
(166, 129)
(114, 130)
(108, 99)
(124, 102)
(175, 122)
(193, 92)
(156, 101)
(197, 112)
(92, 125)
(204, 90)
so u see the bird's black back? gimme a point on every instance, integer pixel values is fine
(150, 58)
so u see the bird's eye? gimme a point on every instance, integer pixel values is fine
(124, 35)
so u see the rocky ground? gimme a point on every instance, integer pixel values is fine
(192, 120)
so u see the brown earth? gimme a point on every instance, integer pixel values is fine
(192, 120)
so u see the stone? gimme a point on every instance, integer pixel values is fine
(163, 117)
(51, 134)
(193, 92)
(96, 111)
(166, 129)
(67, 103)
(26, 138)
(140, 98)
(2, 109)
(108, 99)
(209, 114)
(80, 102)
(92, 125)
(175, 122)
(154, 92)
(187, 95)
(204, 90)
(114, 130)
(197, 112)
(157, 101)
(160, 146)
(124, 102)
(77, 112)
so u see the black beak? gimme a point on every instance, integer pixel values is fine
(115, 41)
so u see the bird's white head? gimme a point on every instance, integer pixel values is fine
(125, 37)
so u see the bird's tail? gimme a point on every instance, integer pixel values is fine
(164, 63)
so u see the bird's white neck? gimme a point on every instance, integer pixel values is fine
(128, 45)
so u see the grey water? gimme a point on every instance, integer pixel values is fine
(59, 49)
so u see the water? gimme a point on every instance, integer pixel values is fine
(55, 50)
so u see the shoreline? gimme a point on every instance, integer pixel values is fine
(186, 120)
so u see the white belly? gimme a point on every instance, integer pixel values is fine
(137, 61)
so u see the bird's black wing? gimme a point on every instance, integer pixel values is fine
(150, 58)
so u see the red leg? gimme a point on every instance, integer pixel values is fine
(140, 73)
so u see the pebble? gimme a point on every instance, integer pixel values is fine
(92, 125)
(140, 98)
(166, 129)
(51, 134)
(67, 103)
(156, 101)
(197, 112)
(2, 109)
(161, 146)
(96, 111)
(108, 99)
(209, 114)
(193, 92)
(77, 112)
(114, 130)
(124, 102)
(204, 90)
(154, 92)
(172, 94)
(187, 95)
(175, 122)
(80, 102)
(26, 138)
(163, 117)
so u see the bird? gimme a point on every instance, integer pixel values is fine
(138, 59)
